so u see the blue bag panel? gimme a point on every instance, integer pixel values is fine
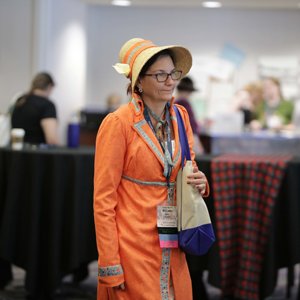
(198, 240)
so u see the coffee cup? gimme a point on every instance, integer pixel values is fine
(17, 138)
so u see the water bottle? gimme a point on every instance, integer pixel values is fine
(74, 132)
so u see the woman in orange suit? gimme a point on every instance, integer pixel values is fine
(137, 160)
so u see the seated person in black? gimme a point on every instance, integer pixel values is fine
(36, 114)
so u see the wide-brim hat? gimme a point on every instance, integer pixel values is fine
(135, 53)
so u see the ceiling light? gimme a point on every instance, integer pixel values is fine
(121, 2)
(211, 4)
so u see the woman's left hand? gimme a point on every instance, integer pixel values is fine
(197, 180)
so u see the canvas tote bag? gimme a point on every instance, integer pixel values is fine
(195, 231)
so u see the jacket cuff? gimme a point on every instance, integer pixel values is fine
(111, 275)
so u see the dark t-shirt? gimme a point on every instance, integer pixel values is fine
(185, 103)
(28, 113)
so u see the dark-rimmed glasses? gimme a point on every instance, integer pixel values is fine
(162, 77)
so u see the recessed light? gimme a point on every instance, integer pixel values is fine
(211, 4)
(121, 2)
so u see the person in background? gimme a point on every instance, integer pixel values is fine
(137, 159)
(273, 112)
(247, 101)
(113, 102)
(185, 89)
(35, 113)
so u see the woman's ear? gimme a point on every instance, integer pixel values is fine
(139, 85)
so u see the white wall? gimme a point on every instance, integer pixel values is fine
(78, 43)
(15, 48)
(256, 32)
(44, 35)
(66, 57)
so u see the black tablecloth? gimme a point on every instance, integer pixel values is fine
(46, 218)
(46, 213)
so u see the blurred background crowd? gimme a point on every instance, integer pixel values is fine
(245, 58)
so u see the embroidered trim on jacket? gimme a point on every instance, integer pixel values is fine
(155, 183)
(110, 271)
(136, 106)
(164, 273)
(139, 128)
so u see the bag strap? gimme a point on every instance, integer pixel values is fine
(185, 149)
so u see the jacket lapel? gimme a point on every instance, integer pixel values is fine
(147, 135)
(142, 128)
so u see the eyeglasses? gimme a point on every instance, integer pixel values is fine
(162, 77)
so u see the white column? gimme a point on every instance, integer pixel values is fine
(41, 24)
(60, 48)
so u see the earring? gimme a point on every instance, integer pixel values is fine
(140, 89)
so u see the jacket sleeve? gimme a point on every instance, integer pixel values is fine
(108, 168)
(189, 133)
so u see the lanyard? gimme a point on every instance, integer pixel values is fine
(167, 148)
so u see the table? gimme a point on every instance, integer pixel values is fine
(46, 213)
(257, 143)
(282, 248)
(46, 218)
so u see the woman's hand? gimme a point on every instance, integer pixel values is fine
(197, 180)
(120, 287)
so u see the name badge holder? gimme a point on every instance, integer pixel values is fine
(167, 226)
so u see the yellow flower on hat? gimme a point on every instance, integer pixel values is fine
(122, 69)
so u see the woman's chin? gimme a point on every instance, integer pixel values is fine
(166, 96)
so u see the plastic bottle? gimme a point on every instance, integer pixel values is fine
(74, 131)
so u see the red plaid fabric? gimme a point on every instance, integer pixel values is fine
(245, 188)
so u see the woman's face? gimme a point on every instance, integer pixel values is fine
(270, 90)
(154, 90)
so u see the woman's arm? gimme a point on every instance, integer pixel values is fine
(109, 161)
(50, 127)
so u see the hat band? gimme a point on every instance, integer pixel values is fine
(134, 52)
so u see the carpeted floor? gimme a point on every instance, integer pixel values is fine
(87, 288)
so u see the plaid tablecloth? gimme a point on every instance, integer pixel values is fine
(245, 188)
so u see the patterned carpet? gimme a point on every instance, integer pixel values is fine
(87, 289)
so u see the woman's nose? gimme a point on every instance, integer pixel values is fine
(170, 80)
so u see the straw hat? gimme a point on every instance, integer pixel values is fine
(136, 52)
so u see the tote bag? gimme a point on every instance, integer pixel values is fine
(195, 231)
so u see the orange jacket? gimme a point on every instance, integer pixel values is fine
(128, 186)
